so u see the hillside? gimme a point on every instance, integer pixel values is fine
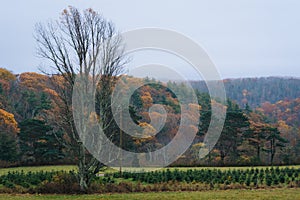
(256, 91)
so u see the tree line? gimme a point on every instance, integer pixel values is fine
(249, 137)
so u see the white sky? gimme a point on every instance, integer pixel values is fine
(244, 38)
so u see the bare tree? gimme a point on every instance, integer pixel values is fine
(87, 45)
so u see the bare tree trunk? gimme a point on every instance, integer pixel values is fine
(222, 155)
(258, 153)
(273, 150)
(82, 174)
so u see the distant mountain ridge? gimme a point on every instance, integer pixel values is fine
(256, 91)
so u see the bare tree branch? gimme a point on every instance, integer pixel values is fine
(82, 44)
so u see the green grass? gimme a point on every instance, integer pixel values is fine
(280, 194)
(231, 168)
(112, 170)
(67, 168)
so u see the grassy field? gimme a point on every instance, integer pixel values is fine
(286, 194)
(231, 168)
(37, 169)
(112, 170)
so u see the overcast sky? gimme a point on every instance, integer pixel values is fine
(244, 38)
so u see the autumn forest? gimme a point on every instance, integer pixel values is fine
(262, 125)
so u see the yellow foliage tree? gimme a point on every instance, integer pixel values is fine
(34, 81)
(8, 123)
(6, 75)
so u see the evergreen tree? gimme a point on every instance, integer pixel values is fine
(275, 141)
(37, 144)
(8, 148)
(236, 123)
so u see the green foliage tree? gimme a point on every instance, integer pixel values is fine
(38, 144)
(8, 148)
(31, 103)
(236, 123)
(275, 141)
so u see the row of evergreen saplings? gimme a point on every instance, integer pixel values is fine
(31, 179)
(11, 179)
(255, 177)
(167, 180)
